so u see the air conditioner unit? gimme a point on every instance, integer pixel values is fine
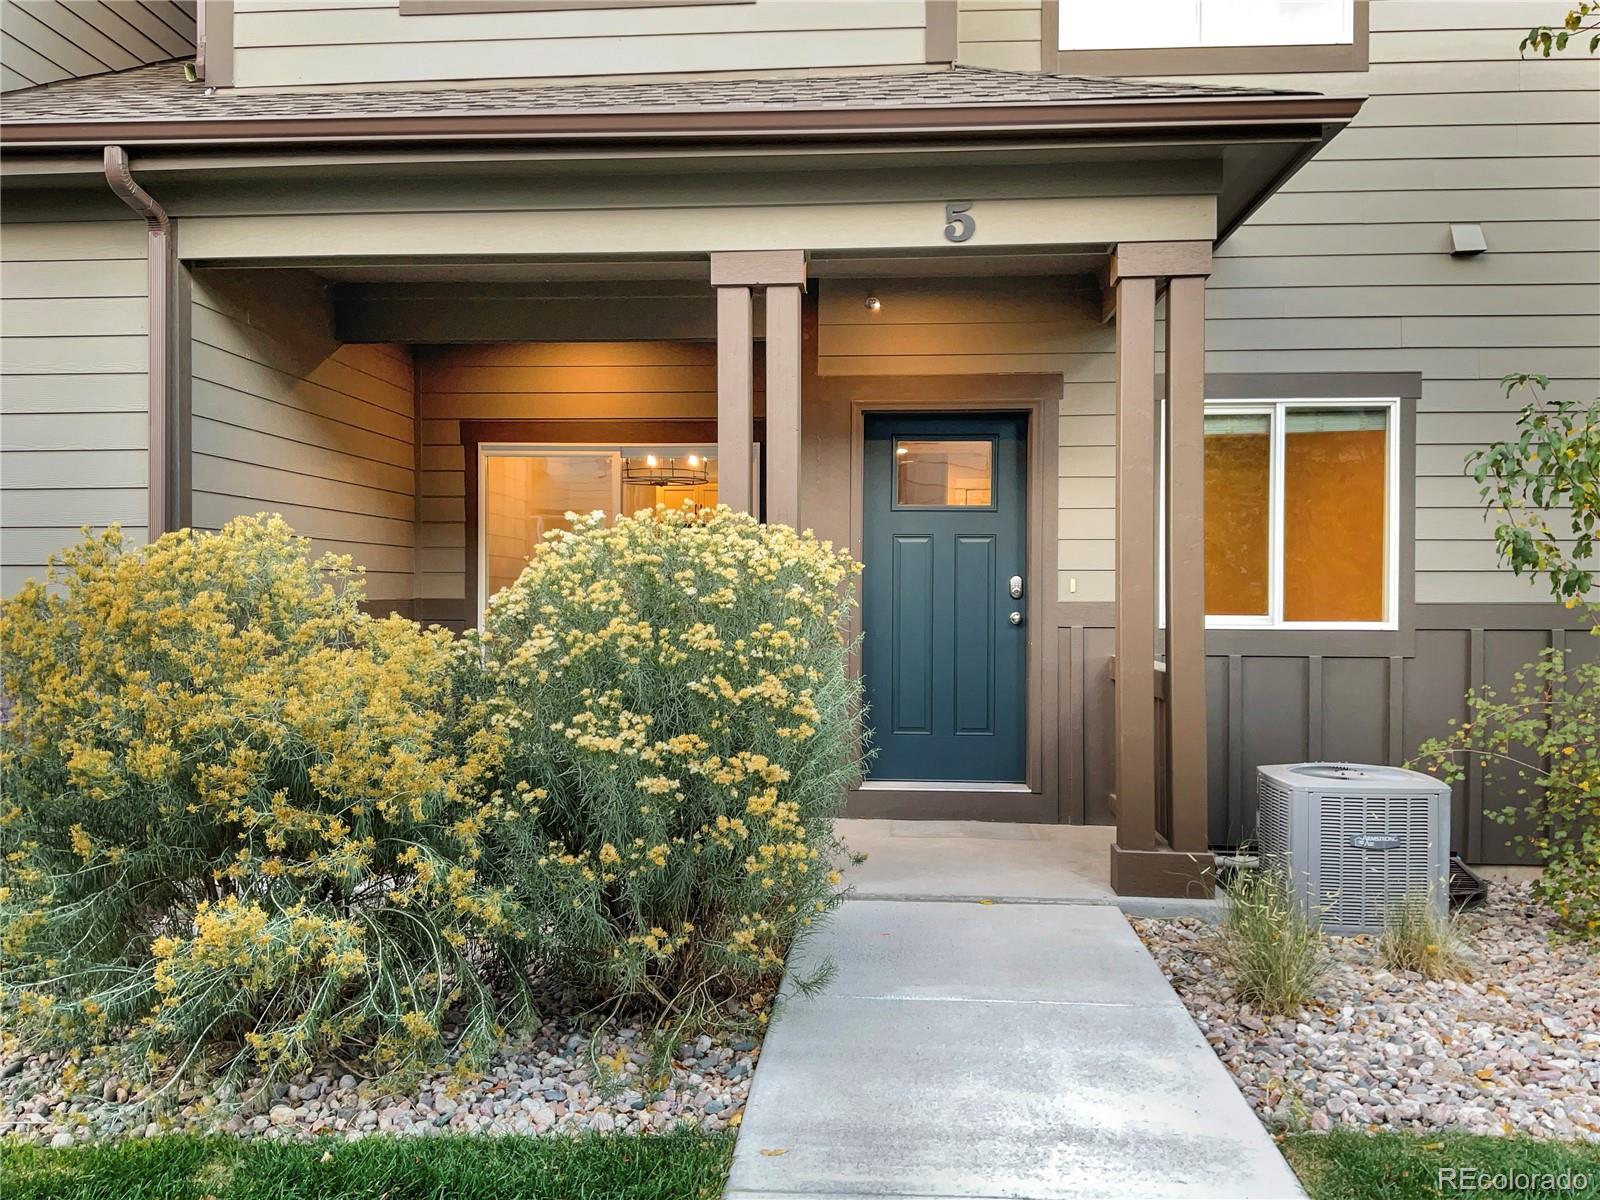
(1354, 840)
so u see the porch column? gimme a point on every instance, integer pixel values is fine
(735, 406)
(1186, 560)
(1135, 713)
(783, 405)
(736, 274)
(1147, 860)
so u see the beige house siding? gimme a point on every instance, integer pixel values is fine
(73, 430)
(288, 420)
(300, 42)
(999, 33)
(529, 380)
(1347, 269)
(1002, 326)
(42, 41)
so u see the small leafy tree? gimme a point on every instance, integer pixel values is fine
(1549, 472)
(1542, 736)
(1542, 39)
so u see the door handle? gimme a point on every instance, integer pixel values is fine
(1016, 587)
(1016, 618)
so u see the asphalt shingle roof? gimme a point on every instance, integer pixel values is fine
(161, 93)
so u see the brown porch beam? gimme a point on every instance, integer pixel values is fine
(1186, 560)
(1159, 260)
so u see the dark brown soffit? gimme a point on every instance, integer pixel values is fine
(1177, 115)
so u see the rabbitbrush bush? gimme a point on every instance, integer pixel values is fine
(230, 824)
(664, 702)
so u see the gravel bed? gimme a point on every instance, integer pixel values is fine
(544, 1084)
(1514, 1050)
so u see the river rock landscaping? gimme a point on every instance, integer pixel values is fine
(555, 1082)
(1515, 1050)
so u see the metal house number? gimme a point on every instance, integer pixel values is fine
(958, 222)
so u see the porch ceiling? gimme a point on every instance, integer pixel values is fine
(447, 302)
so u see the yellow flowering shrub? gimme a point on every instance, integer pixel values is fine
(663, 716)
(231, 822)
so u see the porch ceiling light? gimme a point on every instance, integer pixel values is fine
(655, 471)
(873, 304)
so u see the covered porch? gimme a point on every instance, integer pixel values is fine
(382, 406)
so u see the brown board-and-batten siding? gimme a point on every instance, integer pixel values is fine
(289, 420)
(74, 432)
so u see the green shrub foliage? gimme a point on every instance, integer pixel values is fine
(231, 823)
(663, 714)
(1540, 738)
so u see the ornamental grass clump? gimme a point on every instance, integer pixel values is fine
(664, 714)
(232, 830)
(1417, 936)
(1272, 953)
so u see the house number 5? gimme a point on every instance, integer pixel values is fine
(958, 222)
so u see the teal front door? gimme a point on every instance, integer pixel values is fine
(944, 652)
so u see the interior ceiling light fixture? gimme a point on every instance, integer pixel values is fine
(655, 470)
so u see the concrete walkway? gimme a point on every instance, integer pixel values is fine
(987, 1050)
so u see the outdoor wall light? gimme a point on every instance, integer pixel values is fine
(873, 304)
(1467, 240)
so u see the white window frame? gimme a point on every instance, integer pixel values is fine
(1277, 411)
(1200, 40)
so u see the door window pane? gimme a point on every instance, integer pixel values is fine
(1335, 504)
(943, 474)
(526, 496)
(1238, 503)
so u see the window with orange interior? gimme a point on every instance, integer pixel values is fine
(1300, 513)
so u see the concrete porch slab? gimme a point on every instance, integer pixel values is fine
(981, 1052)
(974, 860)
(1004, 862)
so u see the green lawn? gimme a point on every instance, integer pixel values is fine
(1399, 1166)
(667, 1167)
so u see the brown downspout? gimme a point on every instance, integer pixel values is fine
(168, 489)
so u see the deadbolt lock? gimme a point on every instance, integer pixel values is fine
(1016, 587)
